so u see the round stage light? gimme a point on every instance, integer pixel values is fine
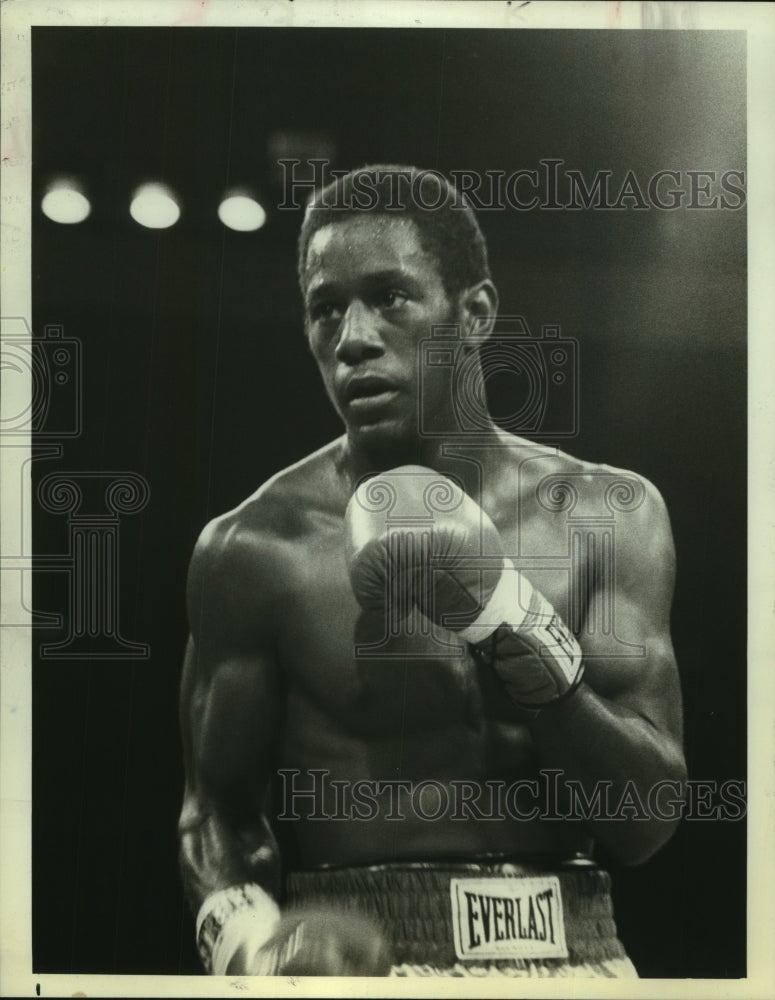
(242, 213)
(154, 207)
(64, 202)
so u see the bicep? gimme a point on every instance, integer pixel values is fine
(236, 728)
(230, 690)
(625, 637)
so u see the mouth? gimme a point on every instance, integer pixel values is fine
(366, 391)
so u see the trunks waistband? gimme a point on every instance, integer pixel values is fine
(414, 905)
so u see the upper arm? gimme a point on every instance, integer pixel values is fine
(626, 633)
(230, 687)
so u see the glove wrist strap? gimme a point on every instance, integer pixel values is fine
(518, 618)
(512, 594)
(234, 917)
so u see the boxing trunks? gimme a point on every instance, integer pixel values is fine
(480, 919)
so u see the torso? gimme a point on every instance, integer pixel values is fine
(415, 707)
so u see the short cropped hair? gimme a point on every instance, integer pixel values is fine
(447, 225)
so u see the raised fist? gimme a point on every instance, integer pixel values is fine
(413, 536)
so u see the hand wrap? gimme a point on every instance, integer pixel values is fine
(527, 643)
(306, 942)
(231, 918)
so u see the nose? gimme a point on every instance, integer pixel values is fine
(359, 338)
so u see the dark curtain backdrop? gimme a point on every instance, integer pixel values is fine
(195, 375)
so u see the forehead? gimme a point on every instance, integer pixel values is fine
(369, 244)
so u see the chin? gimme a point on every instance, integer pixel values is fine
(388, 438)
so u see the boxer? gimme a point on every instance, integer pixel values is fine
(401, 623)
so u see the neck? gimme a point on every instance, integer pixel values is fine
(440, 454)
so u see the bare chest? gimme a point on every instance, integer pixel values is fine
(371, 676)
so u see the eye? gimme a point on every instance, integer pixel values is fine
(324, 311)
(391, 298)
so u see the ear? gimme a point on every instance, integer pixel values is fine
(479, 306)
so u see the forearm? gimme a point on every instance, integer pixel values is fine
(231, 872)
(216, 852)
(603, 745)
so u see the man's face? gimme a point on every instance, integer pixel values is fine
(372, 295)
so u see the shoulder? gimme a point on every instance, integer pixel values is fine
(631, 511)
(277, 512)
(254, 547)
(637, 508)
(620, 491)
(562, 483)
(559, 490)
(619, 497)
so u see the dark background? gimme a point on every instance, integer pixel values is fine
(196, 376)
